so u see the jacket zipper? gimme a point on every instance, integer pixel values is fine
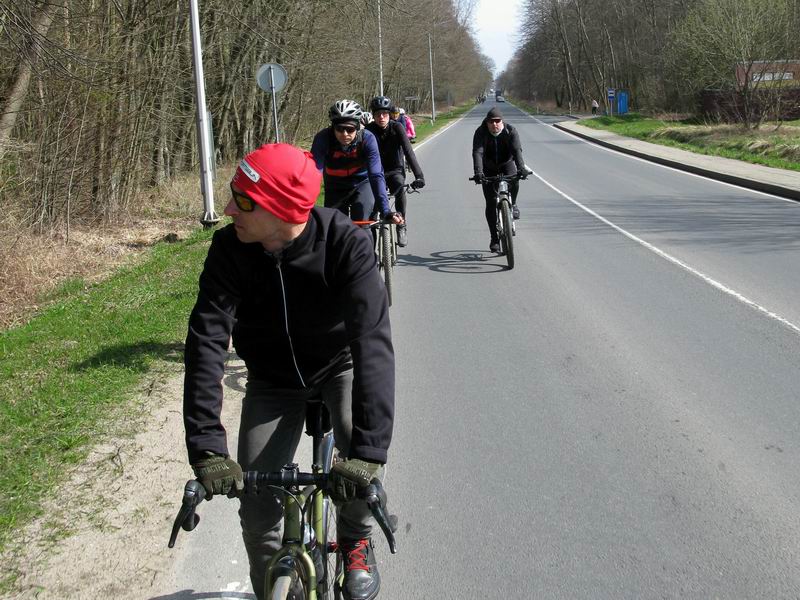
(286, 320)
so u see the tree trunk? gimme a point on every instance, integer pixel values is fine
(19, 88)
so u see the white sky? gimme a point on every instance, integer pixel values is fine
(496, 23)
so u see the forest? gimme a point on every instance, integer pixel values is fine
(665, 54)
(98, 96)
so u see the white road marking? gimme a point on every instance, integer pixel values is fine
(650, 162)
(442, 130)
(713, 282)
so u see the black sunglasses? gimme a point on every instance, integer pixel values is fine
(243, 203)
(345, 128)
(495, 120)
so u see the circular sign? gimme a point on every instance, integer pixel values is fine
(278, 77)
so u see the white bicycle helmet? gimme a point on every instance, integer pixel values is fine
(345, 110)
(366, 118)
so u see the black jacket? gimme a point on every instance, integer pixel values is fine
(495, 155)
(393, 145)
(336, 313)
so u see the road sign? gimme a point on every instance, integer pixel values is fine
(271, 77)
(611, 92)
(411, 98)
(278, 74)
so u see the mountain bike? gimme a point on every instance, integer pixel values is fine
(385, 236)
(506, 229)
(309, 564)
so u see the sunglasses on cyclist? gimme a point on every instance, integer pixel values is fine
(243, 203)
(345, 128)
(495, 121)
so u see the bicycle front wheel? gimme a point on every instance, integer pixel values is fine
(386, 259)
(393, 231)
(507, 239)
(288, 587)
(282, 589)
(332, 562)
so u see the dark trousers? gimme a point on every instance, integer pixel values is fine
(394, 181)
(358, 203)
(271, 426)
(489, 195)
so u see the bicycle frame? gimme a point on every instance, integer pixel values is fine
(293, 549)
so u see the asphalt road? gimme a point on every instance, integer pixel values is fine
(617, 417)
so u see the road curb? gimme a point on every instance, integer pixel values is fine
(760, 186)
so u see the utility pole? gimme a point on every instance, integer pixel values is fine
(380, 47)
(430, 59)
(203, 129)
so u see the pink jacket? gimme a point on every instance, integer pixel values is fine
(410, 131)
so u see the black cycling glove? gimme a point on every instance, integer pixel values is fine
(418, 184)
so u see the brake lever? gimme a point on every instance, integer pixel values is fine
(193, 494)
(375, 498)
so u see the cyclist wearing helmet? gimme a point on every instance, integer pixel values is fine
(351, 165)
(496, 150)
(394, 150)
(406, 122)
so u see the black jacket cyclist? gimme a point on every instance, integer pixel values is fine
(297, 290)
(496, 150)
(395, 148)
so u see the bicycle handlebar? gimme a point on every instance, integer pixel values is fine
(194, 493)
(501, 177)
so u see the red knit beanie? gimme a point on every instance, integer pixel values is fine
(282, 179)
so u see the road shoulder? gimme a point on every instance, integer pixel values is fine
(779, 182)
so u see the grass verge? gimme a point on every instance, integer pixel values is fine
(424, 128)
(774, 145)
(78, 363)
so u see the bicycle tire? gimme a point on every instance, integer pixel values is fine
(507, 239)
(331, 558)
(386, 260)
(281, 588)
(393, 232)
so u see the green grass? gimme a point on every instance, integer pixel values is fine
(79, 363)
(779, 148)
(424, 128)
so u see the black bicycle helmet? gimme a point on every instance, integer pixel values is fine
(380, 103)
(345, 110)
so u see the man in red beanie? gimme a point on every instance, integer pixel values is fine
(297, 288)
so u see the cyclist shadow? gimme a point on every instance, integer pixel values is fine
(471, 262)
(192, 595)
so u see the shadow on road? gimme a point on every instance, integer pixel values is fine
(472, 262)
(192, 595)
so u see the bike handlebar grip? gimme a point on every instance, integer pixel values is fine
(193, 494)
(375, 498)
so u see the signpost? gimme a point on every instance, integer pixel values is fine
(611, 94)
(271, 77)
